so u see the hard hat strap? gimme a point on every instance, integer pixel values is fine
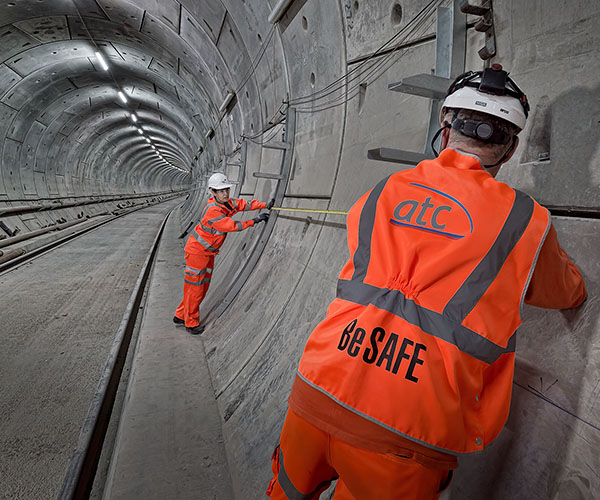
(505, 155)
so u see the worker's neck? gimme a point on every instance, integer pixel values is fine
(482, 156)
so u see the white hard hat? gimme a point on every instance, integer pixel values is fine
(218, 181)
(490, 91)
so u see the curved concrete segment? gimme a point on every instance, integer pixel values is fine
(66, 135)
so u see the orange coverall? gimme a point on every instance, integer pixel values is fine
(202, 246)
(325, 439)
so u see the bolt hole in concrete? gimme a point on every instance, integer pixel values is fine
(304, 23)
(396, 14)
(312, 79)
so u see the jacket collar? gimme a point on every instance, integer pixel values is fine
(461, 159)
(227, 206)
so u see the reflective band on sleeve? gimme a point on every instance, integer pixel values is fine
(362, 255)
(286, 484)
(203, 242)
(473, 288)
(198, 283)
(239, 225)
(431, 322)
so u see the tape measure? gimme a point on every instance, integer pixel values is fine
(336, 212)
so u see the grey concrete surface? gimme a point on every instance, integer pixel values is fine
(169, 443)
(58, 319)
(63, 133)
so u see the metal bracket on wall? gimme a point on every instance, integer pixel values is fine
(450, 47)
(485, 24)
(264, 175)
(241, 177)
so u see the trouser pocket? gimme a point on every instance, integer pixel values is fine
(275, 467)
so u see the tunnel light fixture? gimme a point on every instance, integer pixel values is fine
(209, 134)
(134, 118)
(101, 61)
(140, 131)
(279, 10)
(148, 140)
(122, 96)
(230, 95)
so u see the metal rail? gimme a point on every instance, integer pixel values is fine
(80, 474)
(19, 256)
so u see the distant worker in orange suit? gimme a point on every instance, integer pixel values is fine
(204, 243)
(413, 364)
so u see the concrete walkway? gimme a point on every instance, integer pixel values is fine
(169, 444)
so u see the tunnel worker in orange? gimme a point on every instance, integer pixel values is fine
(204, 243)
(413, 364)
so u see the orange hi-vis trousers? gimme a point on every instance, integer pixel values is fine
(308, 460)
(198, 271)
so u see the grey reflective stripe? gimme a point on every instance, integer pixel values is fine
(239, 225)
(216, 219)
(197, 274)
(198, 283)
(371, 419)
(203, 242)
(473, 288)
(286, 485)
(210, 230)
(193, 269)
(431, 322)
(362, 255)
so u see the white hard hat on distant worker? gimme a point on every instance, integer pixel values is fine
(218, 181)
(490, 91)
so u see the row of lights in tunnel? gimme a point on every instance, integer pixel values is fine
(104, 65)
(135, 119)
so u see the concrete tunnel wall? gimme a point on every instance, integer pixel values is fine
(63, 133)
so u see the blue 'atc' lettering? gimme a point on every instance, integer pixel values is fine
(391, 356)
(434, 214)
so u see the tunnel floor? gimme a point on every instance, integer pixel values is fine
(58, 319)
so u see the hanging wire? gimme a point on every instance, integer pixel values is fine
(377, 70)
(331, 88)
(380, 65)
(372, 66)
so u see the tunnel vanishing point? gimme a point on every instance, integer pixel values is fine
(120, 110)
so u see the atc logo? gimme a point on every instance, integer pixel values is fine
(437, 213)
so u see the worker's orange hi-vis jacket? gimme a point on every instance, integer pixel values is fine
(420, 339)
(208, 236)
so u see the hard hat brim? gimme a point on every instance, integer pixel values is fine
(505, 107)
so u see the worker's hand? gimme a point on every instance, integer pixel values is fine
(270, 203)
(261, 218)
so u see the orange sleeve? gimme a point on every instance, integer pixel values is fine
(242, 205)
(228, 225)
(556, 282)
(221, 222)
(257, 205)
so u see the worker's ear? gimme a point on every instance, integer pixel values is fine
(445, 134)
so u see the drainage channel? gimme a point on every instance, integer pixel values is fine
(79, 478)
